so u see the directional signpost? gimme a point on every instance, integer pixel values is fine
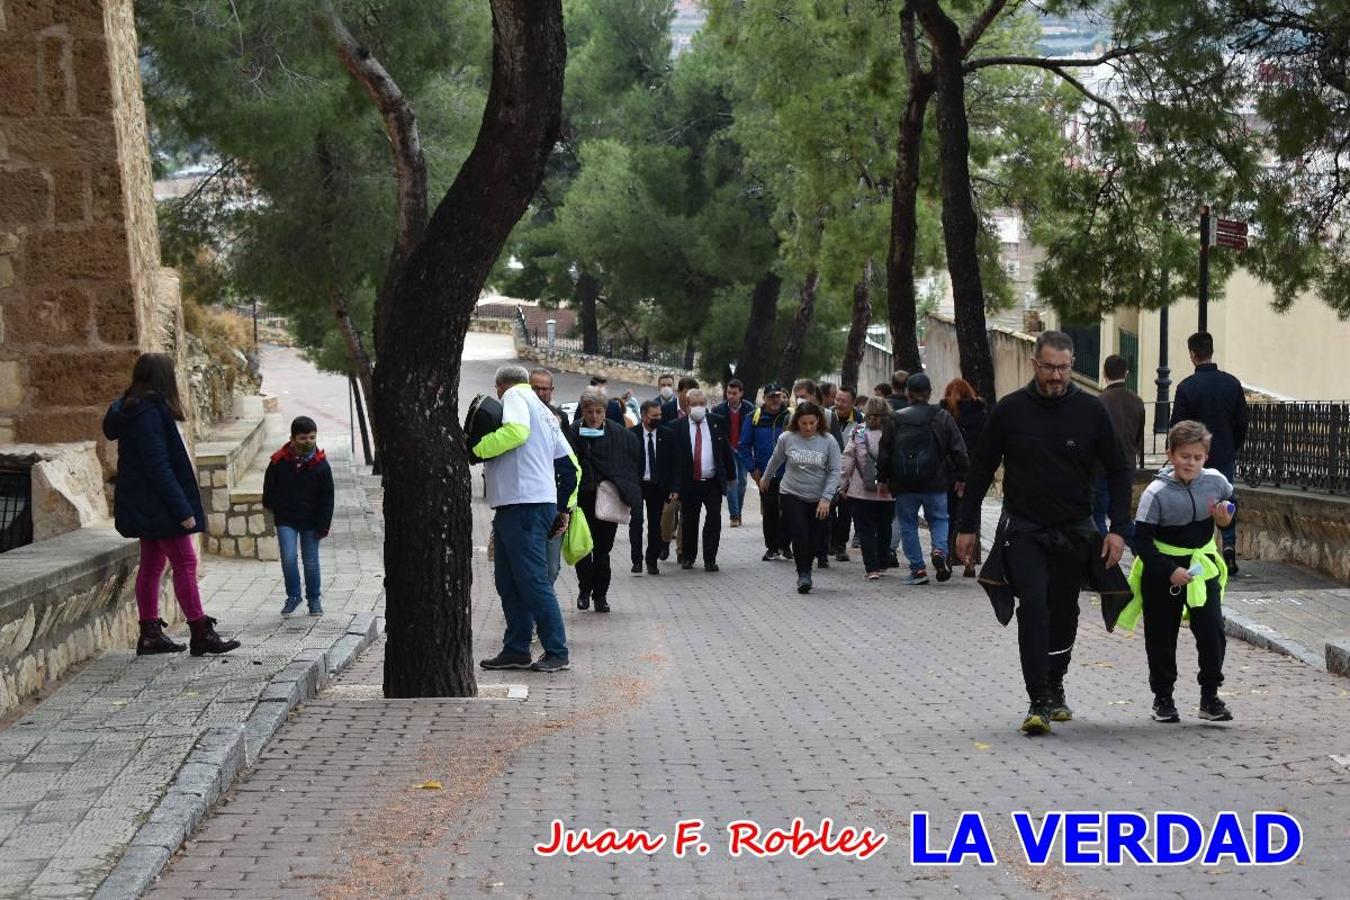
(1216, 232)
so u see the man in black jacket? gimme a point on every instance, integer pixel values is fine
(1048, 436)
(700, 469)
(1216, 400)
(656, 449)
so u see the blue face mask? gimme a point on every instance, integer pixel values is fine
(592, 432)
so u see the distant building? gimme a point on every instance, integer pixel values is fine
(689, 18)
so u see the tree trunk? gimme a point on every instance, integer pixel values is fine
(791, 364)
(427, 492)
(960, 224)
(901, 302)
(359, 403)
(757, 345)
(857, 330)
(356, 348)
(689, 353)
(585, 295)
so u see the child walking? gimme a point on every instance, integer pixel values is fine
(298, 489)
(1179, 572)
(155, 498)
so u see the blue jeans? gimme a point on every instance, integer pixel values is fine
(554, 558)
(736, 492)
(521, 571)
(935, 511)
(1101, 505)
(308, 540)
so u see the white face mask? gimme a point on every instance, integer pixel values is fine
(667, 392)
(697, 413)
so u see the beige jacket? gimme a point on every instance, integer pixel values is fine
(855, 459)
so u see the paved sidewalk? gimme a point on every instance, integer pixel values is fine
(134, 740)
(729, 696)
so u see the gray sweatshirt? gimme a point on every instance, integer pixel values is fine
(812, 465)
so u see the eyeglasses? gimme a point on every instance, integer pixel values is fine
(1064, 369)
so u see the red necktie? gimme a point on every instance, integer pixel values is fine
(698, 452)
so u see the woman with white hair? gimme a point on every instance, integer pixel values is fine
(608, 452)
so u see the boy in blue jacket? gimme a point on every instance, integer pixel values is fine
(298, 489)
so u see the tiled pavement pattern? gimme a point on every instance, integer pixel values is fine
(728, 696)
(83, 771)
(1292, 609)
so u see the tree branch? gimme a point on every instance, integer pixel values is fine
(980, 26)
(400, 124)
(1050, 62)
(1083, 89)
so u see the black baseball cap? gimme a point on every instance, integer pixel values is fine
(773, 387)
(919, 384)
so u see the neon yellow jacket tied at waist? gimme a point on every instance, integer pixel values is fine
(1197, 592)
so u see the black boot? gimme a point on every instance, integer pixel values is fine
(205, 640)
(584, 599)
(153, 639)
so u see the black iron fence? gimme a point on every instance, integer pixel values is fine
(1297, 445)
(16, 508)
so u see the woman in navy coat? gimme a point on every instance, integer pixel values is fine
(155, 498)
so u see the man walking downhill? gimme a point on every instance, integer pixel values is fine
(655, 470)
(734, 410)
(1216, 400)
(701, 467)
(1048, 436)
(844, 418)
(1127, 417)
(530, 477)
(759, 437)
(916, 454)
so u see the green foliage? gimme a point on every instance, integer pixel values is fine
(304, 203)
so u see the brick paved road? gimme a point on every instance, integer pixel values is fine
(728, 696)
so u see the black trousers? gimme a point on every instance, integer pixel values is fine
(872, 518)
(805, 530)
(593, 572)
(653, 501)
(841, 523)
(775, 537)
(1046, 581)
(705, 496)
(1162, 625)
(954, 512)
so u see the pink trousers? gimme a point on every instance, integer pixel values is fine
(179, 553)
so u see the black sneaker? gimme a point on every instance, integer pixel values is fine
(653, 569)
(1164, 710)
(637, 568)
(1059, 710)
(823, 562)
(1037, 721)
(892, 561)
(506, 660)
(665, 552)
(711, 567)
(686, 564)
(841, 556)
(1230, 559)
(804, 584)
(1212, 709)
(584, 599)
(601, 605)
(550, 663)
(770, 556)
(942, 566)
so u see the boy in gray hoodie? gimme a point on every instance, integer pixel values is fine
(1179, 570)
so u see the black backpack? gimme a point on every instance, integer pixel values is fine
(916, 458)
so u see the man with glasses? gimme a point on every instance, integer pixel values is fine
(1049, 436)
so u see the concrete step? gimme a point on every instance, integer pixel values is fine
(249, 487)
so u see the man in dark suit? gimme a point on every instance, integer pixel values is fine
(700, 469)
(656, 449)
(670, 404)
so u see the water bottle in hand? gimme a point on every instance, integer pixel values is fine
(1196, 570)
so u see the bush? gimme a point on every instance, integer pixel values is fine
(226, 336)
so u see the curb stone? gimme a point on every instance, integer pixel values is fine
(1263, 636)
(222, 754)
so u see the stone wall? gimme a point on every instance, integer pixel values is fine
(1293, 526)
(68, 485)
(65, 601)
(492, 326)
(586, 364)
(81, 289)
